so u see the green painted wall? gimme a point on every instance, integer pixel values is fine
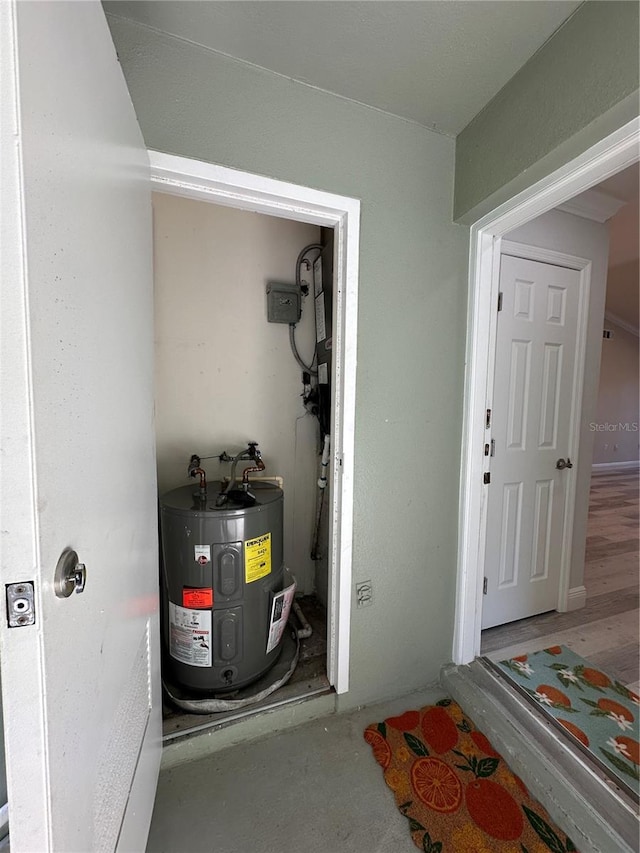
(578, 88)
(412, 315)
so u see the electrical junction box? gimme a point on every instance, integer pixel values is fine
(284, 303)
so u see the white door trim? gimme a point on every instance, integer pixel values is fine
(611, 155)
(221, 185)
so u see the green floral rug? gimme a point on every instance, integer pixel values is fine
(599, 712)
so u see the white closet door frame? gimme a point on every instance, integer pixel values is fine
(220, 185)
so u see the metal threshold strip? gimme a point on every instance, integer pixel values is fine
(225, 719)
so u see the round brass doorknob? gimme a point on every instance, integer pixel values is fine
(564, 463)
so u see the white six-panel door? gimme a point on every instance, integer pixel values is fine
(533, 399)
(80, 686)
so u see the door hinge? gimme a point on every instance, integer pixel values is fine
(500, 301)
(488, 420)
(484, 586)
(486, 478)
(493, 447)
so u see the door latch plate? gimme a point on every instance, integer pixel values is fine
(21, 610)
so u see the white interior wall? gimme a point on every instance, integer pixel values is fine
(224, 375)
(615, 428)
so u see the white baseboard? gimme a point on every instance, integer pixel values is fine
(576, 598)
(601, 467)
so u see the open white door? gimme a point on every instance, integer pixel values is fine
(536, 395)
(80, 686)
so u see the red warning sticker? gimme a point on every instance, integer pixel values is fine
(197, 596)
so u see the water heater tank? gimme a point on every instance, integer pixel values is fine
(221, 569)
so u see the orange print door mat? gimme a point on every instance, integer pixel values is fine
(456, 791)
(599, 713)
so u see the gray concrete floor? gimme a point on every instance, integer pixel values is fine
(316, 788)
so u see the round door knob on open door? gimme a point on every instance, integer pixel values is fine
(70, 576)
(564, 463)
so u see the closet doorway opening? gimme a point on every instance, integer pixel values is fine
(228, 373)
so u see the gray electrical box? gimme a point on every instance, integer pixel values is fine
(283, 303)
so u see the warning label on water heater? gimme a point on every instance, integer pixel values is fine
(202, 554)
(190, 635)
(257, 558)
(197, 597)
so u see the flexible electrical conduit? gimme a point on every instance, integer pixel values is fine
(294, 349)
(292, 326)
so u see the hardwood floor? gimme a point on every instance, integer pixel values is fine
(606, 630)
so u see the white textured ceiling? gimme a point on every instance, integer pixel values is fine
(437, 62)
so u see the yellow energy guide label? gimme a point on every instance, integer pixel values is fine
(257, 558)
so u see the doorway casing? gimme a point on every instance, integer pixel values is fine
(233, 188)
(568, 599)
(606, 158)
